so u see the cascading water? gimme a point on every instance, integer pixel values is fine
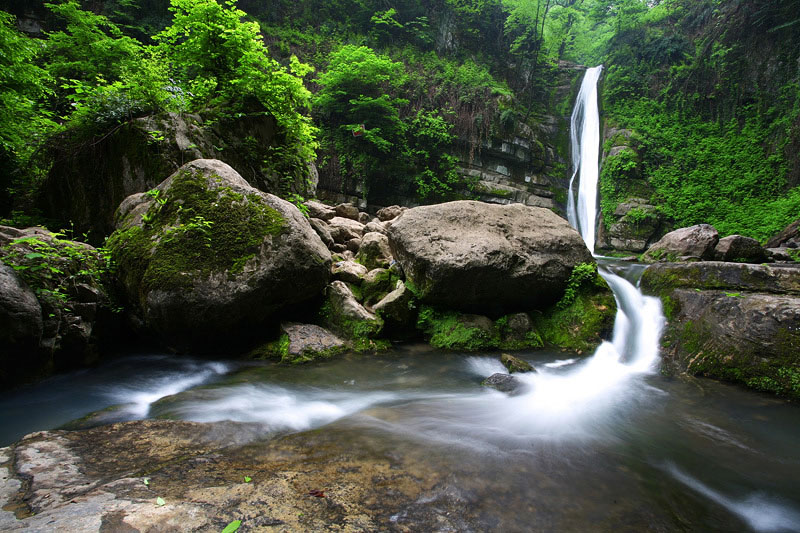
(585, 141)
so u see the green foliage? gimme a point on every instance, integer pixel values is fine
(447, 331)
(584, 276)
(233, 526)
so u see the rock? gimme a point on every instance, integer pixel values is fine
(322, 230)
(739, 249)
(348, 271)
(353, 245)
(472, 256)
(515, 364)
(374, 251)
(20, 318)
(213, 258)
(91, 480)
(54, 304)
(517, 332)
(320, 210)
(692, 243)
(88, 180)
(339, 248)
(363, 218)
(376, 284)
(781, 254)
(347, 211)
(390, 213)
(344, 229)
(505, 383)
(308, 342)
(636, 225)
(715, 275)
(348, 317)
(789, 237)
(397, 309)
(732, 321)
(376, 226)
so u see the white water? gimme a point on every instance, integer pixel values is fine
(585, 141)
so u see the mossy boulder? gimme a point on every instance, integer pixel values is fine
(204, 255)
(301, 343)
(345, 315)
(515, 364)
(693, 243)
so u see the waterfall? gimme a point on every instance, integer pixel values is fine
(585, 142)
(639, 320)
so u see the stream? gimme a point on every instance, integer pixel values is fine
(603, 443)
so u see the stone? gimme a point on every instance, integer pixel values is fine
(348, 271)
(397, 310)
(715, 275)
(363, 218)
(353, 245)
(472, 256)
(321, 228)
(374, 251)
(348, 317)
(389, 213)
(320, 210)
(347, 211)
(309, 342)
(691, 243)
(375, 285)
(505, 383)
(515, 364)
(782, 254)
(376, 226)
(740, 249)
(345, 229)
(790, 235)
(213, 256)
(20, 318)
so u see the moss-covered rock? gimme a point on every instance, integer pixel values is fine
(344, 314)
(204, 255)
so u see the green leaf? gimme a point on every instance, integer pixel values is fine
(247, 479)
(233, 526)
(160, 501)
(146, 481)
(33, 256)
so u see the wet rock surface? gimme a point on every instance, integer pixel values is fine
(692, 243)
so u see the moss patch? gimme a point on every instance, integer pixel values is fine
(446, 331)
(191, 230)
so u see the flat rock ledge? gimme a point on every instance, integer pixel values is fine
(94, 480)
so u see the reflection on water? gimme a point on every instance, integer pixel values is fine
(593, 443)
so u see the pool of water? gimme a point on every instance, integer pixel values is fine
(583, 446)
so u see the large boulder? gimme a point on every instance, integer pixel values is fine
(789, 237)
(473, 256)
(693, 243)
(374, 251)
(740, 249)
(55, 306)
(205, 255)
(738, 322)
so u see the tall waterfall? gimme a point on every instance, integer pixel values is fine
(585, 140)
(639, 319)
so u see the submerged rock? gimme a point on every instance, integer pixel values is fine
(205, 257)
(504, 383)
(487, 258)
(692, 243)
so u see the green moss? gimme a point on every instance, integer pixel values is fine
(192, 230)
(580, 325)
(446, 331)
(274, 350)
(362, 334)
(375, 290)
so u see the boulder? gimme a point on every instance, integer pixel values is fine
(635, 225)
(376, 284)
(321, 228)
(375, 225)
(389, 213)
(320, 210)
(353, 244)
(374, 251)
(489, 258)
(348, 317)
(344, 229)
(348, 271)
(515, 364)
(731, 321)
(363, 218)
(54, 303)
(782, 254)
(206, 255)
(308, 342)
(397, 309)
(789, 237)
(693, 243)
(347, 211)
(739, 249)
(504, 383)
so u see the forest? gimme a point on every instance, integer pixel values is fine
(709, 89)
